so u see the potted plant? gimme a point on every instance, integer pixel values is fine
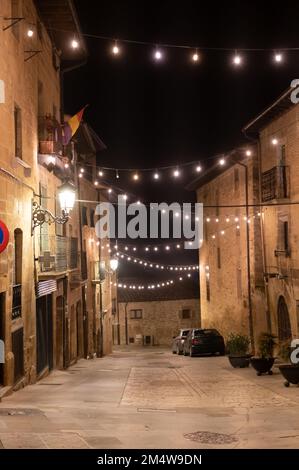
(264, 361)
(237, 346)
(289, 370)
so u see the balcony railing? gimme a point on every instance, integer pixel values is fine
(49, 132)
(275, 183)
(16, 301)
(58, 254)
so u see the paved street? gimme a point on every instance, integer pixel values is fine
(149, 398)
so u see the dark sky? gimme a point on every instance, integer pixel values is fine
(152, 114)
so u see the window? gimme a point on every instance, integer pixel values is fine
(18, 131)
(186, 313)
(283, 246)
(92, 217)
(136, 314)
(236, 179)
(218, 258)
(282, 155)
(114, 309)
(208, 287)
(131, 340)
(84, 216)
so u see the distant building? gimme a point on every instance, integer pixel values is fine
(277, 131)
(154, 317)
(231, 296)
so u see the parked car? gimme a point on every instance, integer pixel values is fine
(203, 341)
(178, 341)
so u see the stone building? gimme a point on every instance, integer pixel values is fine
(42, 290)
(155, 317)
(231, 295)
(276, 130)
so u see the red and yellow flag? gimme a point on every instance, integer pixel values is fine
(70, 128)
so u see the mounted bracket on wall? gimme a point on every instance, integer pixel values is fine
(32, 54)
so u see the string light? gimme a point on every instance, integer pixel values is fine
(117, 174)
(158, 54)
(136, 177)
(198, 168)
(274, 141)
(96, 183)
(156, 176)
(221, 161)
(248, 153)
(109, 190)
(115, 49)
(30, 33)
(176, 173)
(278, 57)
(237, 59)
(195, 56)
(101, 173)
(75, 44)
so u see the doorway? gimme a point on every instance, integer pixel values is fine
(2, 334)
(283, 320)
(44, 333)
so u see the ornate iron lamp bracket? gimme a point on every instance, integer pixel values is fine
(41, 216)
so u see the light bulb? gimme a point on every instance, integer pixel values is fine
(109, 190)
(176, 173)
(278, 57)
(96, 183)
(30, 33)
(156, 176)
(101, 173)
(198, 168)
(136, 177)
(274, 141)
(75, 44)
(248, 153)
(115, 50)
(158, 54)
(221, 161)
(237, 60)
(195, 57)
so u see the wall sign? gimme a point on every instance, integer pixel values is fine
(4, 236)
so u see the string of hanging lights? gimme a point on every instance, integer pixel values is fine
(149, 285)
(155, 265)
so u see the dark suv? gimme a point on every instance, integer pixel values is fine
(203, 341)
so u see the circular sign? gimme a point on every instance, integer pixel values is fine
(4, 236)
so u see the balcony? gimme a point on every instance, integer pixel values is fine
(275, 183)
(49, 131)
(58, 254)
(17, 301)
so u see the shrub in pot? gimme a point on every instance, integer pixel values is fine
(264, 361)
(237, 346)
(289, 370)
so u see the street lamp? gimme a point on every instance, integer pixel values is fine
(66, 195)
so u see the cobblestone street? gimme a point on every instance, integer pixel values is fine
(149, 398)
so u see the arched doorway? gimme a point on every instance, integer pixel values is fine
(283, 320)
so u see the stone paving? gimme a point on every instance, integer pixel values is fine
(149, 398)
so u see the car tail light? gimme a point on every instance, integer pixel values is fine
(195, 341)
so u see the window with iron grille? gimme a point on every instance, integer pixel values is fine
(274, 184)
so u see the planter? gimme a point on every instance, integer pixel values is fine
(290, 373)
(262, 365)
(239, 361)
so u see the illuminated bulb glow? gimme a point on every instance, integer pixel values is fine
(274, 141)
(195, 57)
(198, 169)
(115, 50)
(158, 55)
(75, 44)
(278, 57)
(237, 60)
(30, 33)
(248, 153)
(156, 176)
(222, 162)
(101, 173)
(136, 177)
(176, 173)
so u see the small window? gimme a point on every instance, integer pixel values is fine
(236, 179)
(114, 309)
(18, 131)
(84, 216)
(186, 314)
(131, 340)
(208, 287)
(136, 314)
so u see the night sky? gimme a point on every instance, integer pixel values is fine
(151, 114)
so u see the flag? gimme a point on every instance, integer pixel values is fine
(70, 128)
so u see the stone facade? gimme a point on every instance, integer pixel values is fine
(223, 254)
(157, 322)
(280, 225)
(48, 309)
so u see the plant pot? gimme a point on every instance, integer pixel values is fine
(290, 373)
(262, 365)
(239, 361)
